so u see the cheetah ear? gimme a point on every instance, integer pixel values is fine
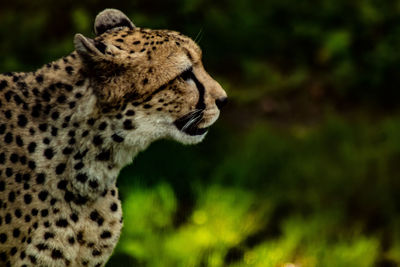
(89, 48)
(109, 19)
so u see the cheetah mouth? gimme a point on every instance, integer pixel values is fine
(188, 124)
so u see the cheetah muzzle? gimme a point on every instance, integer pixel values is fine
(68, 128)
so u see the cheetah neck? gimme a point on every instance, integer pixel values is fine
(80, 149)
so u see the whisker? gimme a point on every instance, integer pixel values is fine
(199, 36)
(191, 121)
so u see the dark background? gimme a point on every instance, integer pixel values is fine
(303, 167)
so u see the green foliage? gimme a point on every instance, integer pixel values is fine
(251, 211)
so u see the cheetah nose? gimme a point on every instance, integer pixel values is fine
(221, 102)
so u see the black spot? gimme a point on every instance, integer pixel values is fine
(105, 234)
(44, 213)
(2, 128)
(19, 141)
(55, 115)
(80, 155)
(27, 198)
(9, 172)
(62, 184)
(130, 112)
(11, 196)
(74, 217)
(117, 138)
(26, 177)
(69, 69)
(7, 219)
(80, 237)
(8, 114)
(14, 158)
(67, 151)
(114, 207)
(39, 78)
(48, 153)
(41, 246)
(79, 165)
(54, 131)
(93, 184)
(34, 212)
(128, 125)
(16, 232)
(63, 223)
(18, 100)
(40, 178)
(95, 216)
(91, 121)
(3, 257)
(147, 106)
(32, 165)
(43, 127)
(56, 254)
(18, 213)
(43, 195)
(22, 160)
(102, 126)
(46, 96)
(32, 147)
(79, 83)
(3, 238)
(60, 168)
(104, 155)
(61, 99)
(13, 251)
(3, 84)
(80, 200)
(22, 120)
(96, 252)
(81, 177)
(32, 259)
(8, 138)
(97, 140)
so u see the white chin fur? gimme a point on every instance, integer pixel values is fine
(186, 139)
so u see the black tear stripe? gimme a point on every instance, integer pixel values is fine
(187, 75)
(200, 106)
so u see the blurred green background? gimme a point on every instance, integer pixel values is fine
(303, 167)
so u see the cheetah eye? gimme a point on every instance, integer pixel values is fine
(187, 74)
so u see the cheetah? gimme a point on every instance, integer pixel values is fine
(68, 128)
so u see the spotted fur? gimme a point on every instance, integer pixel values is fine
(67, 129)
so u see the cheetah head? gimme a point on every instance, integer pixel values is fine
(156, 77)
